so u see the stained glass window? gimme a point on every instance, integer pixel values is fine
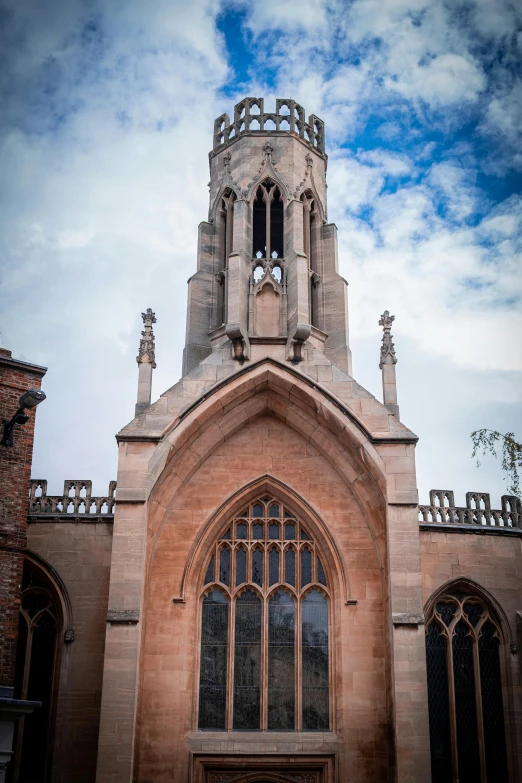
(270, 577)
(273, 567)
(247, 662)
(281, 662)
(315, 661)
(213, 676)
(224, 566)
(241, 561)
(463, 637)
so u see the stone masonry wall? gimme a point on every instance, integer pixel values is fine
(169, 673)
(16, 377)
(494, 562)
(80, 552)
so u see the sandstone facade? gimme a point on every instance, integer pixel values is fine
(267, 409)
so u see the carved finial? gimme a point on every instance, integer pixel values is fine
(387, 348)
(147, 345)
(226, 159)
(309, 159)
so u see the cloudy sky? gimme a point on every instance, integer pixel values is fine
(106, 117)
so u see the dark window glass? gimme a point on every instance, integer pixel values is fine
(257, 511)
(289, 531)
(305, 536)
(438, 705)
(321, 576)
(315, 662)
(288, 514)
(209, 576)
(33, 758)
(240, 567)
(306, 567)
(290, 567)
(213, 676)
(257, 567)
(465, 705)
(258, 531)
(281, 662)
(247, 662)
(226, 535)
(273, 567)
(492, 708)
(274, 510)
(273, 531)
(224, 566)
(276, 226)
(241, 531)
(447, 611)
(473, 612)
(259, 225)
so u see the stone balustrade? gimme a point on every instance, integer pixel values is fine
(477, 512)
(77, 501)
(250, 116)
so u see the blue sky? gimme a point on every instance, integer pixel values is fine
(106, 121)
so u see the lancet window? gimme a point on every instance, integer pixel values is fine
(267, 222)
(467, 735)
(36, 672)
(265, 626)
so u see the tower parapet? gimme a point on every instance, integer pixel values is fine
(250, 118)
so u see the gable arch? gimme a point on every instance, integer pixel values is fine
(303, 408)
(59, 590)
(264, 176)
(231, 186)
(335, 564)
(311, 191)
(473, 588)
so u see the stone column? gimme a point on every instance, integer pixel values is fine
(237, 280)
(146, 359)
(408, 690)
(117, 737)
(298, 281)
(387, 364)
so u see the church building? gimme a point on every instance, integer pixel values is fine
(260, 598)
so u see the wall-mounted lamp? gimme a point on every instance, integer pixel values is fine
(29, 399)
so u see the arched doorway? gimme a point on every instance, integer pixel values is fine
(40, 628)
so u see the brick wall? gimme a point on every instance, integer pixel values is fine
(15, 471)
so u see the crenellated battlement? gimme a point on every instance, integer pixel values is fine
(250, 118)
(477, 513)
(77, 501)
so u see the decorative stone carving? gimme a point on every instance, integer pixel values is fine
(72, 504)
(387, 348)
(147, 344)
(476, 514)
(247, 123)
(68, 636)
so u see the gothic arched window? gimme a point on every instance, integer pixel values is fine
(466, 714)
(264, 626)
(267, 222)
(36, 671)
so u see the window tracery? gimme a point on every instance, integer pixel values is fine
(467, 733)
(265, 626)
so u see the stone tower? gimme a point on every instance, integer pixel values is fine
(267, 277)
